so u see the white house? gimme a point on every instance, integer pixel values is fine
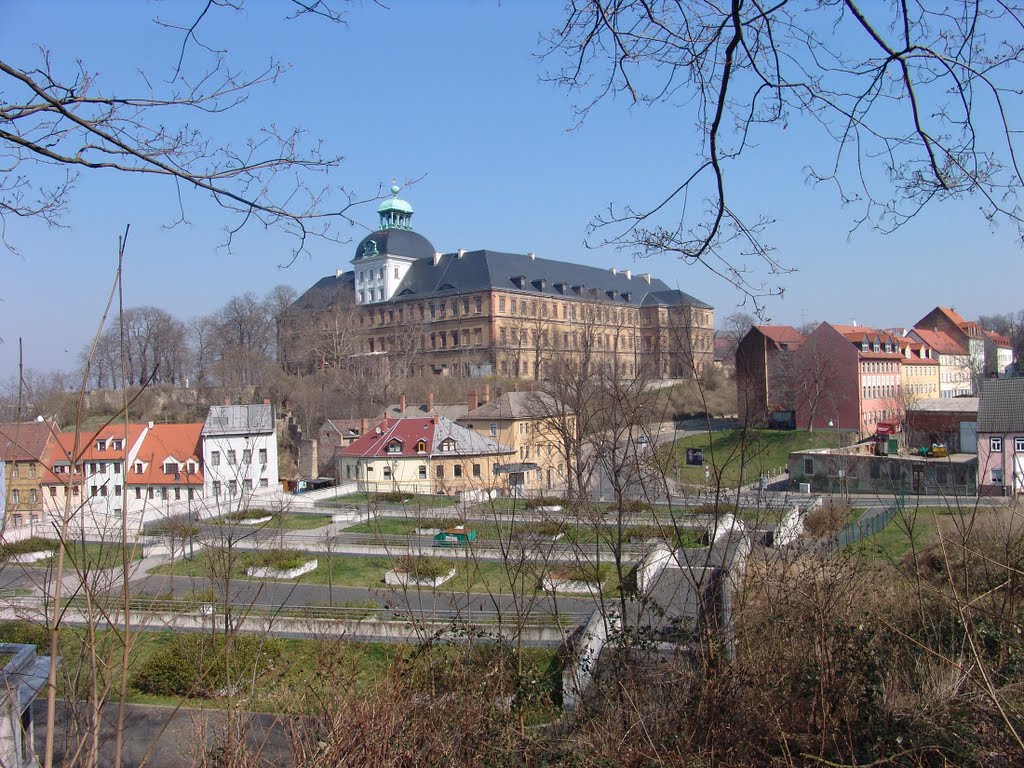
(239, 454)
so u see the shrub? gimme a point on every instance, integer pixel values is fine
(550, 528)
(827, 519)
(421, 567)
(33, 544)
(280, 559)
(25, 633)
(194, 664)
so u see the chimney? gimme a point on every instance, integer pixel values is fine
(646, 277)
(401, 404)
(532, 255)
(614, 271)
(462, 252)
(430, 401)
(150, 425)
(338, 273)
(364, 425)
(437, 258)
(266, 401)
(471, 401)
(227, 401)
(487, 393)
(628, 274)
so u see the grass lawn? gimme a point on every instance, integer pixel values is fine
(472, 576)
(363, 499)
(93, 556)
(288, 521)
(759, 450)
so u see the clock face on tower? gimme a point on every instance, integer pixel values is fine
(370, 249)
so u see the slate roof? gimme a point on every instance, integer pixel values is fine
(396, 242)
(325, 293)
(448, 410)
(516, 272)
(516, 405)
(24, 441)
(239, 420)
(409, 431)
(1001, 406)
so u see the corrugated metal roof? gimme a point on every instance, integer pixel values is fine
(239, 420)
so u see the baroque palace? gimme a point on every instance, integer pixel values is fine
(415, 310)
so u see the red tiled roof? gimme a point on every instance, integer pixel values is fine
(87, 439)
(941, 342)
(407, 432)
(177, 442)
(25, 441)
(998, 339)
(782, 334)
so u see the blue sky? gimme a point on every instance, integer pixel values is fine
(448, 92)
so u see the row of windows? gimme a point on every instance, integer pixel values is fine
(33, 496)
(879, 366)
(116, 444)
(434, 310)
(16, 471)
(995, 444)
(233, 486)
(881, 391)
(232, 457)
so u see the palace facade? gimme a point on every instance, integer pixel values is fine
(416, 310)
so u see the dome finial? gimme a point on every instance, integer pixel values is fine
(395, 189)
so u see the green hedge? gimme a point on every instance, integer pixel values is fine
(194, 664)
(33, 544)
(25, 633)
(393, 497)
(545, 501)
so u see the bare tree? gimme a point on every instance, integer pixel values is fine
(56, 123)
(899, 92)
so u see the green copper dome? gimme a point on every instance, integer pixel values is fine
(394, 212)
(394, 204)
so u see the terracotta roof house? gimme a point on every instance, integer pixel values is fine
(961, 347)
(23, 449)
(168, 467)
(430, 455)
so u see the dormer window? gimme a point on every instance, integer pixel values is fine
(118, 445)
(171, 468)
(395, 446)
(447, 445)
(421, 446)
(101, 445)
(138, 468)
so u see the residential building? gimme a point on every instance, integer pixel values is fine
(239, 454)
(23, 448)
(1001, 437)
(531, 425)
(86, 474)
(920, 372)
(333, 435)
(998, 355)
(165, 477)
(411, 309)
(428, 455)
(961, 348)
(764, 372)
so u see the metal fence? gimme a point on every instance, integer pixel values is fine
(866, 526)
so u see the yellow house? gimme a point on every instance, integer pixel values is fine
(529, 424)
(22, 449)
(430, 455)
